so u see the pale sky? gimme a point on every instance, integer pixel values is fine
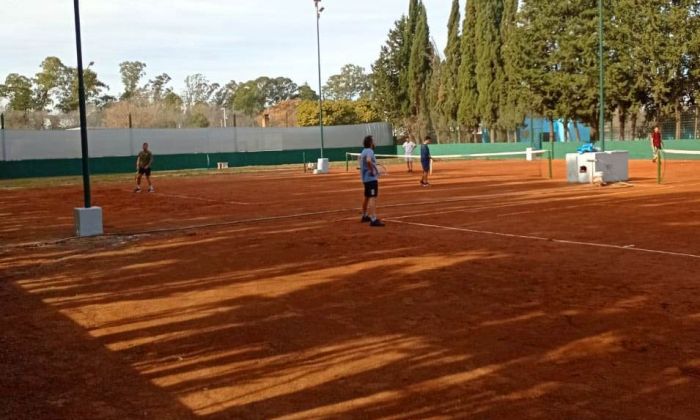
(224, 40)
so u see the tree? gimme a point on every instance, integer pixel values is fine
(249, 98)
(436, 98)
(468, 116)
(366, 111)
(306, 93)
(223, 97)
(449, 82)
(131, 74)
(197, 120)
(172, 100)
(18, 89)
(418, 74)
(351, 83)
(340, 112)
(536, 45)
(156, 87)
(488, 61)
(53, 83)
(387, 90)
(198, 90)
(409, 36)
(512, 98)
(277, 90)
(671, 56)
(93, 90)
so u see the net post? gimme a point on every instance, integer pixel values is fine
(550, 158)
(303, 160)
(658, 167)
(347, 162)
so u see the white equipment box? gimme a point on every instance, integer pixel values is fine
(609, 167)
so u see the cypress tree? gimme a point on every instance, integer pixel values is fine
(386, 75)
(450, 74)
(409, 37)
(436, 97)
(419, 72)
(512, 99)
(488, 61)
(468, 115)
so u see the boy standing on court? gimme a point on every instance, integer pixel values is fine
(143, 167)
(425, 159)
(370, 179)
(408, 147)
(656, 143)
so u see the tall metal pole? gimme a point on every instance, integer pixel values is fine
(83, 111)
(2, 136)
(320, 83)
(601, 64)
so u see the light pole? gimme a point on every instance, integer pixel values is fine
(320, 83)
(81, 105)
(601, 82)
(224, 109)
(88, 220)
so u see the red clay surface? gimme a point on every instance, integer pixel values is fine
(493, 294)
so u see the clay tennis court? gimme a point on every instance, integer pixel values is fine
(496, 293)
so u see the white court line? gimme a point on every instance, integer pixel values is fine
(209, 200)
(540, 238)
(550, 198)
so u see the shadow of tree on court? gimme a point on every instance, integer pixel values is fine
(422, 330)
(52, 369)
(323, 317)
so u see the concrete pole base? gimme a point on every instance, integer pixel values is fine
(88, 221)
(322, 166)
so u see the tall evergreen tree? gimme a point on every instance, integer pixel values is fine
(558, 60)
(387, 91)
(450, 74)
(626, 89)
(419, 72)
(436, 95)
(671, 58)
(512, 99)
(488, 61)
(409, 36)
(468, 116)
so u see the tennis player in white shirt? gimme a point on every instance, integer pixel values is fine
(408, 147)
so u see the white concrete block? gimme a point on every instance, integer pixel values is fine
(323, 165)
(613, 165)
(88, 221)
(572, 168)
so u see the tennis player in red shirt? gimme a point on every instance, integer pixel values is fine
(656, 143)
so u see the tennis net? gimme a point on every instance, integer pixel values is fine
(526, 162)
(677, 165)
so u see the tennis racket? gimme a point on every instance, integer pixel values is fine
(381, 170)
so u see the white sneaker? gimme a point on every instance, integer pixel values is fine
(151, 189)
(137, 189)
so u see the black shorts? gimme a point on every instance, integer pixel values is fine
(426, 165)
(371, 189)
(145, 171)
